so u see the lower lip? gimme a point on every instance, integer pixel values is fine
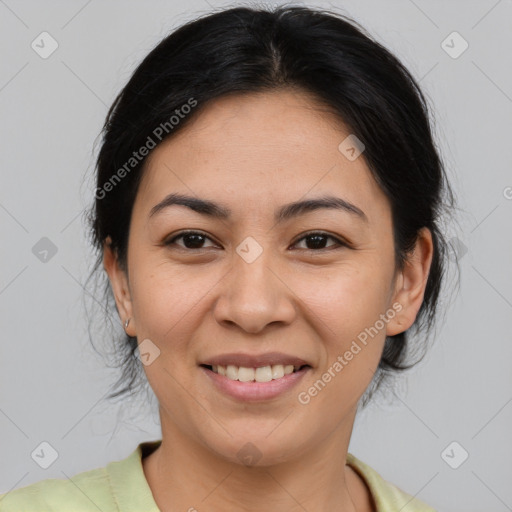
(255, 391)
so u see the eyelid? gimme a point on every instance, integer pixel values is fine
(340, 242)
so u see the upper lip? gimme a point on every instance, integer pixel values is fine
(254, 361)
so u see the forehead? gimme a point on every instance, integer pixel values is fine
(266, 123)
(257, 149)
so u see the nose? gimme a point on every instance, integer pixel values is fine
(254, 295)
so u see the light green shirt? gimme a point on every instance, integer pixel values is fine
(121, 486)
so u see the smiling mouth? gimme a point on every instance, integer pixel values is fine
(260, 374)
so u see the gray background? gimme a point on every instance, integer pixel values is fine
(51, 110)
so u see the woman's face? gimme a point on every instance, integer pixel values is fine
(251, 284)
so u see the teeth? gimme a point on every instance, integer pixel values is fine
(261, 374)
(277, 371)
(245, 374)
(232, 372)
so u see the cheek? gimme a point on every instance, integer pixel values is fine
(347, 300)
(347, 311)
(166, 299)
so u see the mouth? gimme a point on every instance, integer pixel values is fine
(259, 374)
(254, 377)
(263, 382)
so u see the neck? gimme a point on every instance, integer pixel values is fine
(185, 475)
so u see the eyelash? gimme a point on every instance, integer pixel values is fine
(339, 242)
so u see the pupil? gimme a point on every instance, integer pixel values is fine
(316, 244)
(198, 241)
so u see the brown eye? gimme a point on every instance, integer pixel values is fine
(315, 241)
(191, 240)
(318, 240)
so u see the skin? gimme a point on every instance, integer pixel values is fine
(253, 153)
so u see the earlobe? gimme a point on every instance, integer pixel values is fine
(120, 286)
(411, 283)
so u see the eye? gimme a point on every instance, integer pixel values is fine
(317, 241)
(191, 240)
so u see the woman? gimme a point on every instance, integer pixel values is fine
(267, 213)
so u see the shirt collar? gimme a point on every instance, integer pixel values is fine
(129, 485)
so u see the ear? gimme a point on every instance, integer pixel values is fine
(120, 286)
(411, 283)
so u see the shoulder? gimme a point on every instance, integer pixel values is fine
(119, 486)
(387, 496)
(85, 491)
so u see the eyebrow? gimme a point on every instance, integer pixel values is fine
(285, 212)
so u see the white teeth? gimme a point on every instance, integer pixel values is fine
(245, 374)
(232, 372)
(261, 374)
(277, 371)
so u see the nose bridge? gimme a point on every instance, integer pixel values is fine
(253, 283)
(253, 296)
(252, 269)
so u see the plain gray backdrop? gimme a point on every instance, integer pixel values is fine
(52, 383)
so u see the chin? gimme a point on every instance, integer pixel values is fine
(257, 448)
